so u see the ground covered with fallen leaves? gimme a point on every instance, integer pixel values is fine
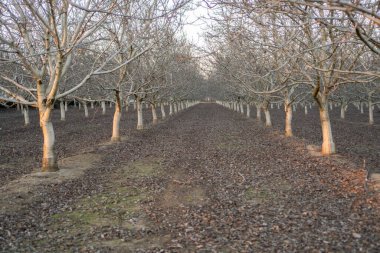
(205, 180)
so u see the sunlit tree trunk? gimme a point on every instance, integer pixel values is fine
(66, 106)
(116, 118)
(268, 121)
(306, 110)
(92, 104)
(328, 145)
(62, 107)
(248, 111)
(175, 107)
(288, 119)
(163, 111)
(154, 114)
(26, 115)
(140, 122)
(361, 108)
(79, 106)
(45, 107)
(18, 107)
(85, 109)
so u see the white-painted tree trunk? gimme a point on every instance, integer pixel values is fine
(140, 121)
(361, 108)
(241, 108)
(306, 110)
(268, 121)
(66, 106)
(63, 112)
(175, 107)
(92, 104)
(154, 114)
(258, 113)
(85, 109)
(79, 105)
(248, 111)
(26, 115)
(163, 113)
(342, 111)
(170, 109)
(370, 112)
(103, 104)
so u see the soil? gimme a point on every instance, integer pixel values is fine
(205, 180)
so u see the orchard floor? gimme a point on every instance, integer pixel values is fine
(205, 180)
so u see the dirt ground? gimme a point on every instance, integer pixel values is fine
(206, 180)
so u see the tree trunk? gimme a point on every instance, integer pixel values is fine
(116, 119)
(110, 104)
(370, 112)
(18, 107)
(361, 108)
(288, 120)
(328, 145)
(103, 103)
(241, 108)
(79, 105)
(66, 106)
(154, 114)
(92, 105)
(258, 113)
(134, 105)
(170, 109)
(342, 111)
(49, 159)
(140, 122)
(26, 115)
(62, 107)
(175, 107)
(248, 111)
(305, 109)
(163, 111)
(85, 109)
(268, 121)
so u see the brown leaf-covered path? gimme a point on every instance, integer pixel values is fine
(206, 180)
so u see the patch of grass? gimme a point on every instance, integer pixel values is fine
(257, 195)
(111, 208)
(143, 168)
(194, 196)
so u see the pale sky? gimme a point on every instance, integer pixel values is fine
(196, 25)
